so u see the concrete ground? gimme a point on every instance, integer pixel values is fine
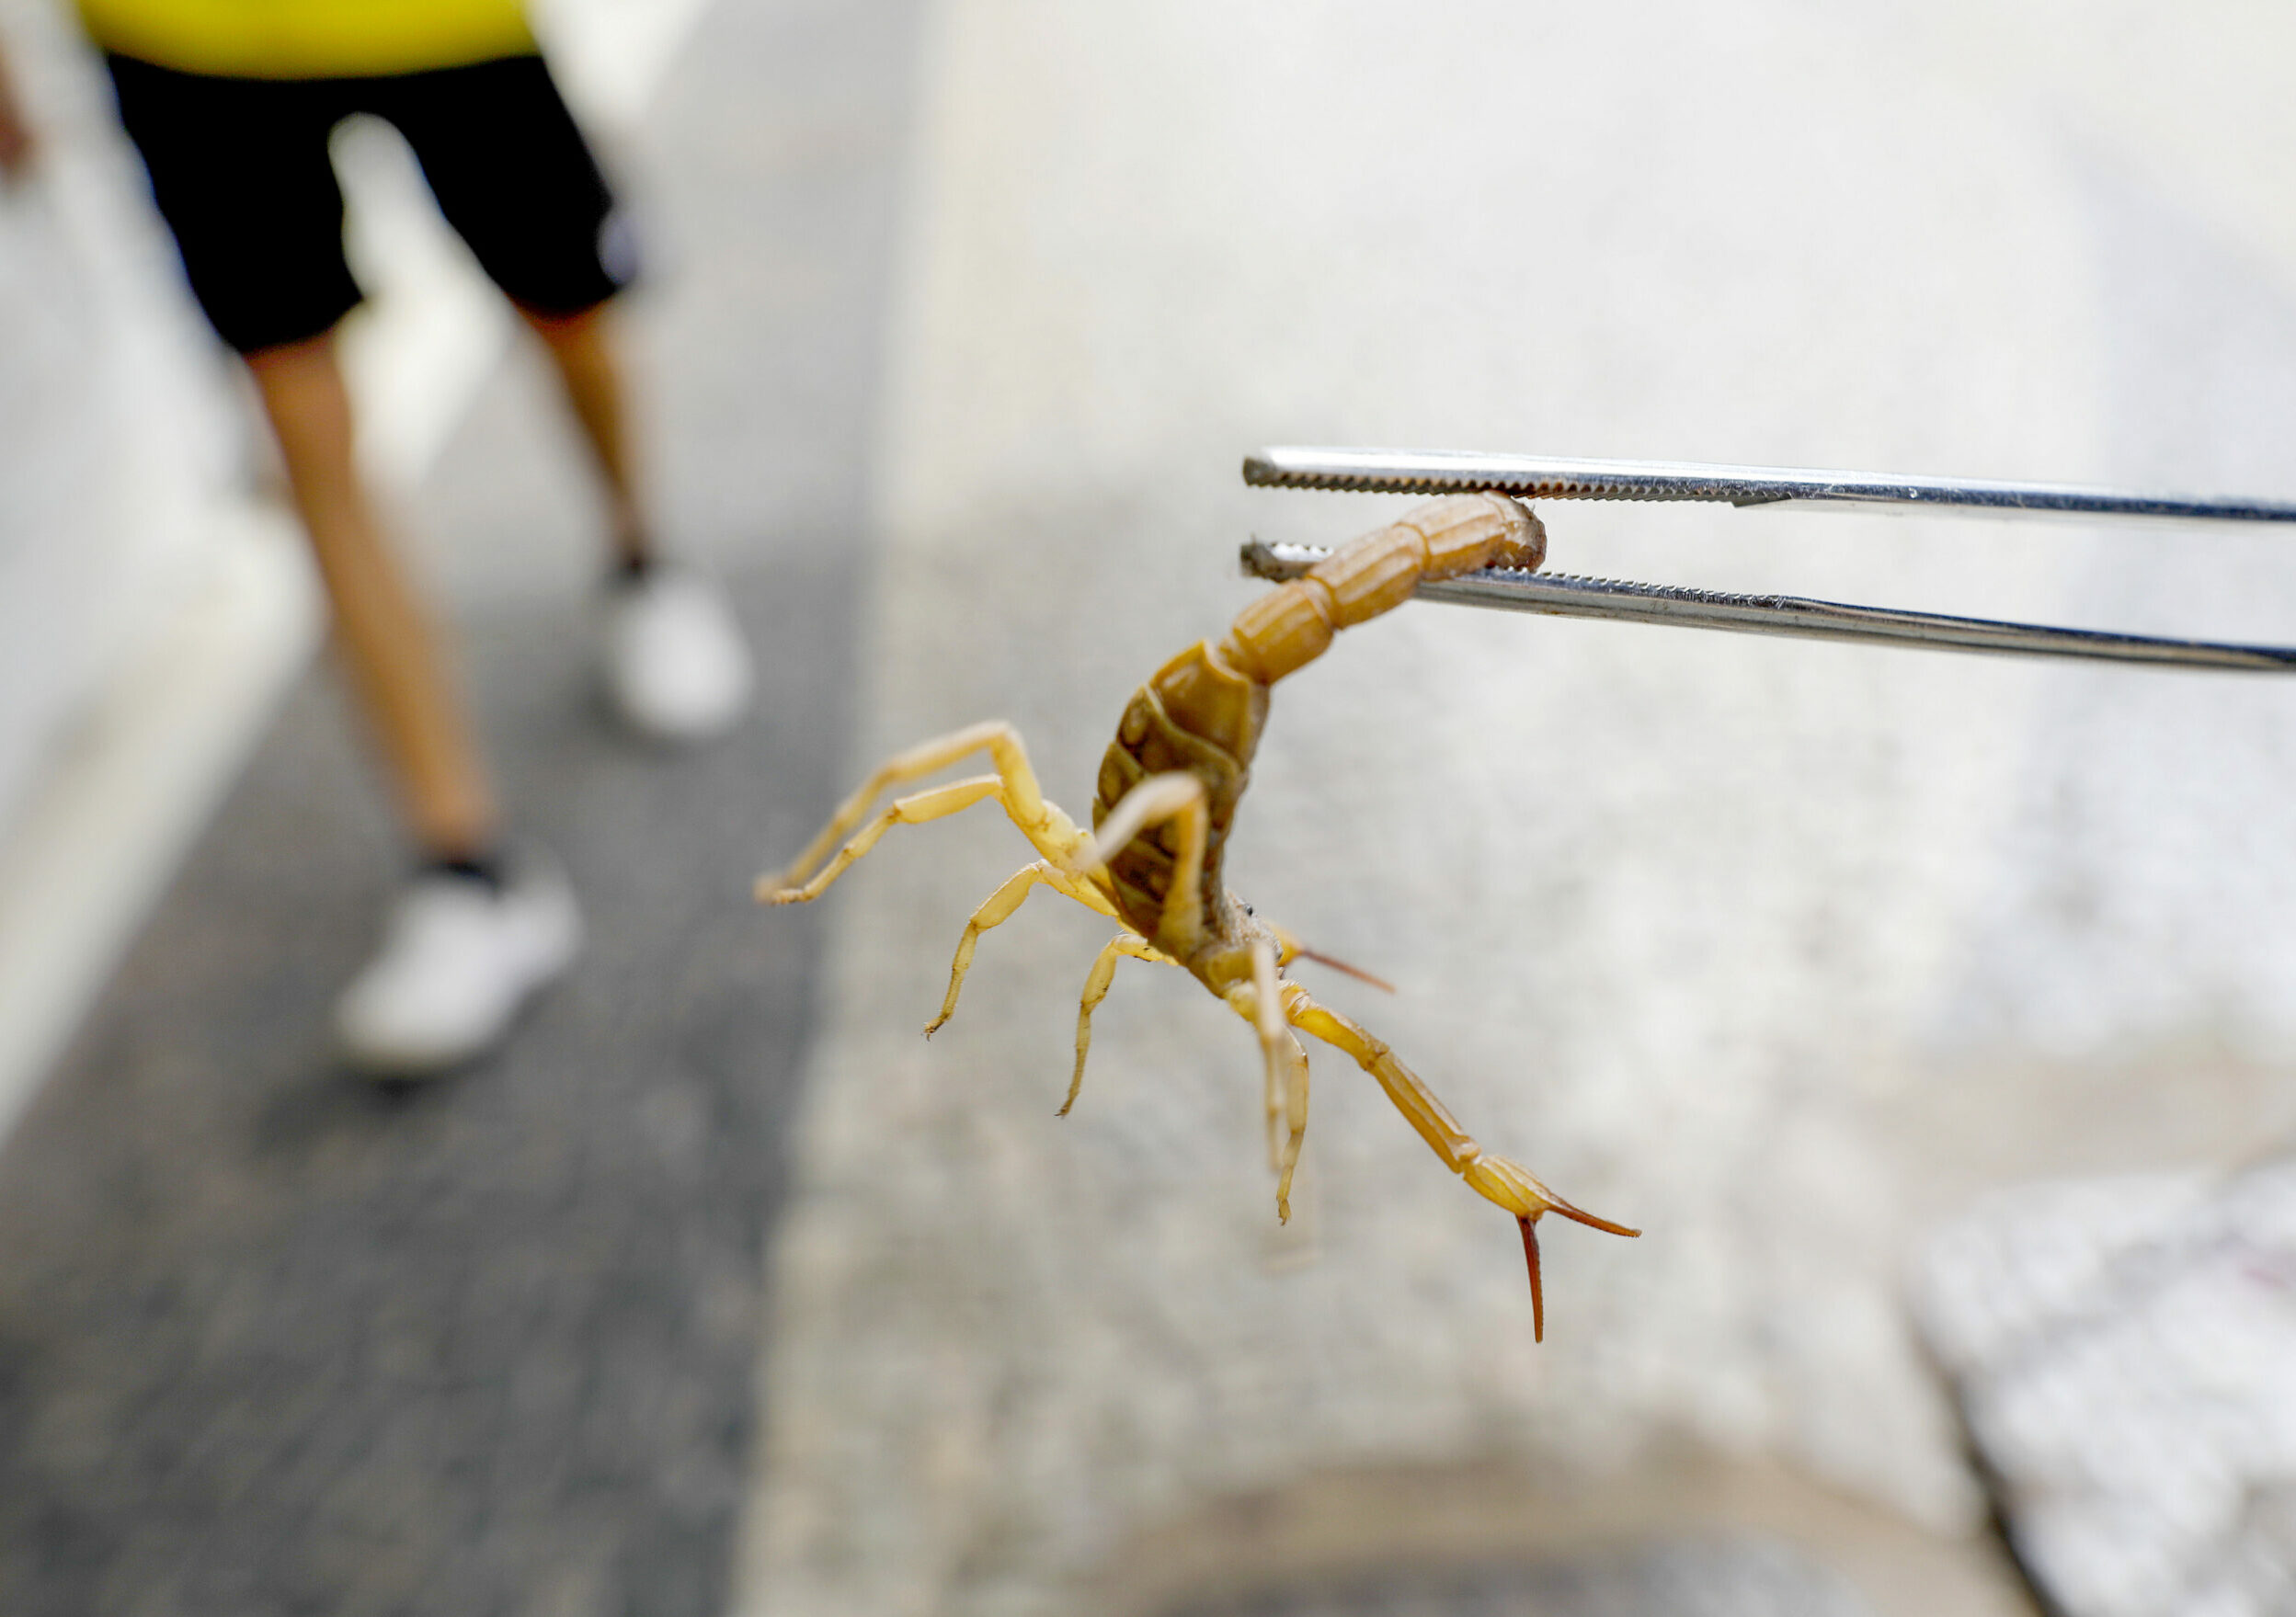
(273, 1340)
(1778, 951)
(278, 1340)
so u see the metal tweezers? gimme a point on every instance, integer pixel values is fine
(1537, 477)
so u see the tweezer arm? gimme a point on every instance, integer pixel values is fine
(1545, 477)
(1563, 596)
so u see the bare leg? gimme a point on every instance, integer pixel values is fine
(584, 350)
(1013, 785)
(1495, 1178)
(393, 654)
(1096, 986)
(996, 910)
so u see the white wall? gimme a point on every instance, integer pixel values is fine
(117, 437)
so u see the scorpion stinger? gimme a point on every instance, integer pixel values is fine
(1495, 1178)
(1165, 802)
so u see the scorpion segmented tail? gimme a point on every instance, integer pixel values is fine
(1291, 625)
(1203, 711)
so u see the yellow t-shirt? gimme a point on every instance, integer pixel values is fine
(309, 39)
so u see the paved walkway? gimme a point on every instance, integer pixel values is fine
(1777, 951)
(272, 1340)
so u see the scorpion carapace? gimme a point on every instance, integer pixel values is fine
(1166, 797)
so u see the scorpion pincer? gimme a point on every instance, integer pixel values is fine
(1166, 797)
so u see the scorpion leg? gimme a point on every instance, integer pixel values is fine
(1267, 1021)
(1014, 785)
(934, 803)
(998, 909)
(1176, 796)
(1289, 949)
(1495, 1178)
(1261, 1002)
(1296, 1116)
(1096, 988)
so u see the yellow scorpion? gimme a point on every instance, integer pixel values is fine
(1166, 794)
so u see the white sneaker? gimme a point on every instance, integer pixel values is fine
(458, 958)
(675, 663)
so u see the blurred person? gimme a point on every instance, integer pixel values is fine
(231, 103)
(16, 130)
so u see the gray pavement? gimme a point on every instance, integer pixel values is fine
(276, 1341)
(1691, 1579)
(1780, 952)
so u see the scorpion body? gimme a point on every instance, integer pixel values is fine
(1165, 800)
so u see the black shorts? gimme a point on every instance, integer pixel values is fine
(239, 169)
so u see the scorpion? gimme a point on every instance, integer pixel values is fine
(1165, 800)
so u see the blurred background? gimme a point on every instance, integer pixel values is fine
(1934, 1017)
